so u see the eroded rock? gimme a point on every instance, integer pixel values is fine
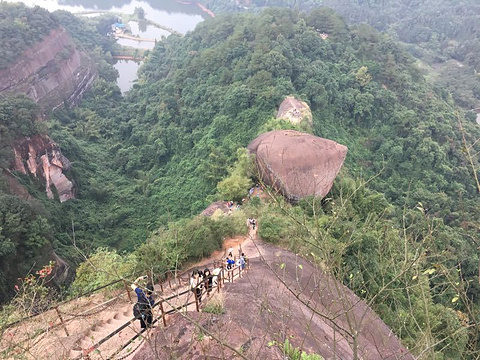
(52, 72)
(44, 160)
(297, 164)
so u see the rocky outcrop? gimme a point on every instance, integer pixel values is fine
(213, 207)
(53, 72)
(295, 111)
(14, 186)
(297, 164)
(42, 158)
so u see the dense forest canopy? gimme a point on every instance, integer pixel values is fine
(146, 160)
(442, 34)
(21, 28)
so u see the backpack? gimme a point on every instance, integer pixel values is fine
(137, 310)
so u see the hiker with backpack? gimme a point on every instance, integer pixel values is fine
(230, 263)
(142, 309)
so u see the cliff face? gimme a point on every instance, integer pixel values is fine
(42, 158)
(52, 72)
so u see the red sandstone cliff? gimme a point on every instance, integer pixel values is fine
(41, 157)
(52, 72)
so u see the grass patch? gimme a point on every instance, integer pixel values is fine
(216, 304)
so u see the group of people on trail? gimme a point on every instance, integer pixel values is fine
(208, 280)
(142, 309)
(229, 261)
(200, 280)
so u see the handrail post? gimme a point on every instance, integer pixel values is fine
(61, 320)
(128, 291)
(163, 314)
(196, 299)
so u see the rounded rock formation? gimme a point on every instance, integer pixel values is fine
(297, 164)
(295, 111)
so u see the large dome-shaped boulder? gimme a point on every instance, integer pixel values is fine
(297, 164)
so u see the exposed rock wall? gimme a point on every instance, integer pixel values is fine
(42, 158)
(297, 164)
(52, 72)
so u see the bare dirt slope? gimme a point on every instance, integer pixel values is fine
(281, 296)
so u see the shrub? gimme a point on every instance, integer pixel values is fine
(272, 228)
(102, 267)
(216, 304)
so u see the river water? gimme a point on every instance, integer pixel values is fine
(178, 15)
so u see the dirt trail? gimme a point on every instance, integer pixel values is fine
(282, 296)
(100, 319)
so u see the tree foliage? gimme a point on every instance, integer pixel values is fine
(20, 28)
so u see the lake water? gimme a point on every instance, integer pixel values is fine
(128, 70)
(181, 17)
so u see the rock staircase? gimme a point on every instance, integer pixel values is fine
(95, 328)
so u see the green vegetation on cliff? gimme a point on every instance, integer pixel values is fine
(146, 161)
(25, 233)
(20, 28)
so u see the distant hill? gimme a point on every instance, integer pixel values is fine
(442, 34)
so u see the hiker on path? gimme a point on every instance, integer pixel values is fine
(208, 280)
(216, 276)
(245, 259)
(230, 263)
(242, 261)
(143, 308)
(196, 284)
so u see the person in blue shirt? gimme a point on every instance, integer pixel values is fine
(230, 263)
(145, 302)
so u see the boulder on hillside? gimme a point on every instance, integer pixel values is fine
(213, 207)
(295, 111)
(297, 164)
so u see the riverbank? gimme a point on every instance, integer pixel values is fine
(206, 10)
